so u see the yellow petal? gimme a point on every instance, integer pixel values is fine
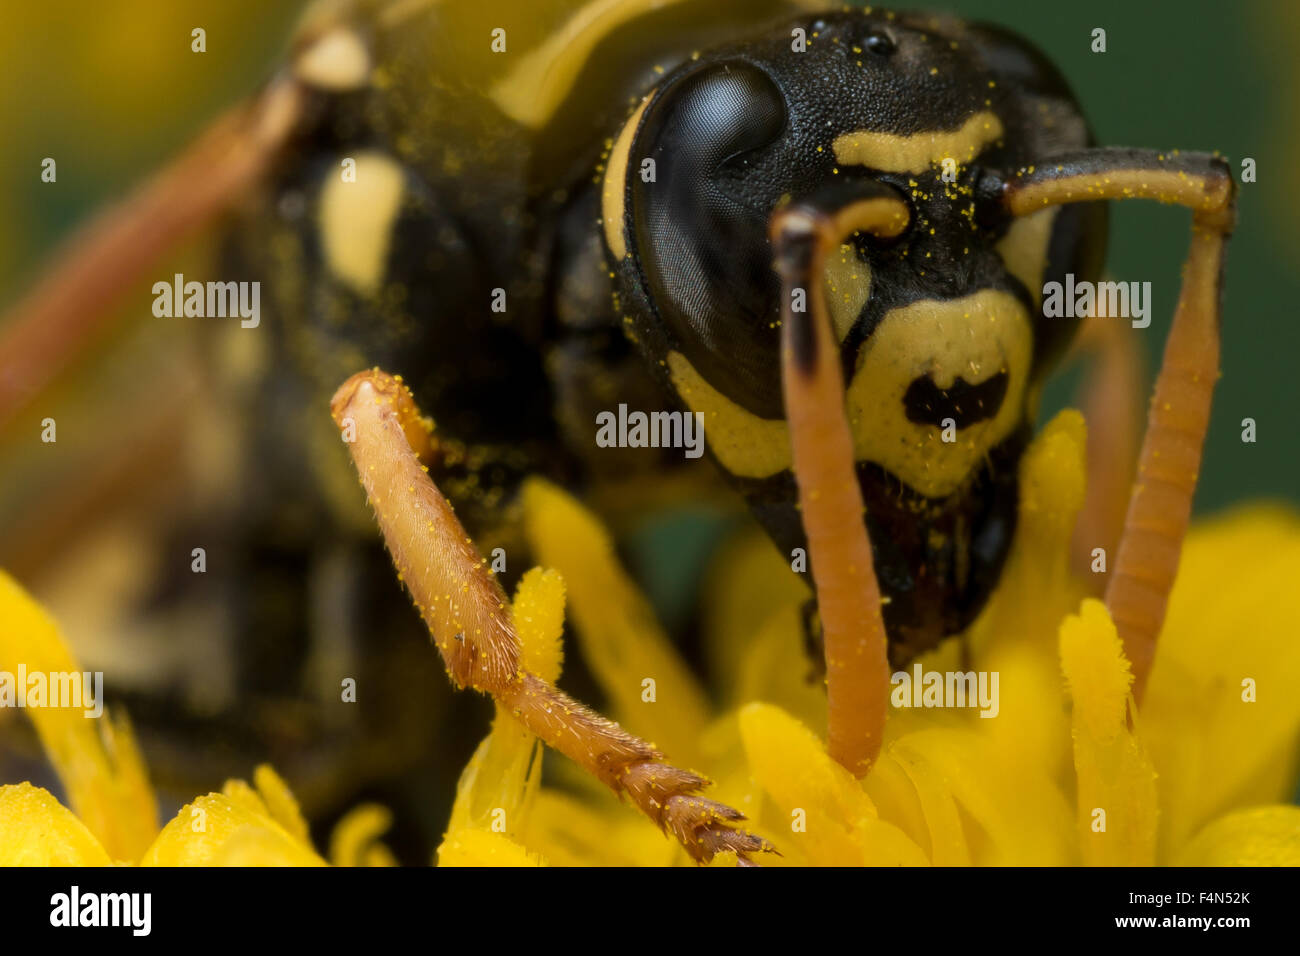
(97, 760)
(752, 591)
(355, 840)
(245, 797)
(793, 766)
(1117, 806)
(947, 839)
(1232, 619)
(260, 846)
(538, 613)
(497, 786)
(281, 804)
(218, 830)
(568, 831)
(37, 830)
(896, 800)
(826, 818)
(1010, 816)
(475, 847)
(1016, 635)
(620, 639)
(1260, 836)
(775, 668)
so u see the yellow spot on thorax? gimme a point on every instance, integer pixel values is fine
(356, 220)
(532, 91)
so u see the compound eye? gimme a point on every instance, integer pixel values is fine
(700, 227)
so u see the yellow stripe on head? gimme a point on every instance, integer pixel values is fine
(917, 152)
(1024, 248)
(614, 188)
(745, 444)
(356, 220)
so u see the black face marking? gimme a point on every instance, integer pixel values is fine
(937, 559)
(928, 404)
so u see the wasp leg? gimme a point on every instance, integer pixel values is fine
(1110, 398)
(62, 313)
(1159, 508)
(466, 613)
(830, 501)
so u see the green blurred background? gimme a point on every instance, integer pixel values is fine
(112, 89)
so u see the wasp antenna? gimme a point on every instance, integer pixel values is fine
(1111, 401)
(1160, 505)
(839, 549)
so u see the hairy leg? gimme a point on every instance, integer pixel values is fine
(469, 620)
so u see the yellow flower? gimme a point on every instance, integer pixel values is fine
(497, 789)
(1066, 773)
(114, 815)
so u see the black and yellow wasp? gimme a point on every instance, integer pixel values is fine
(536, 212)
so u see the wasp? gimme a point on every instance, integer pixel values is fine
(825, 232)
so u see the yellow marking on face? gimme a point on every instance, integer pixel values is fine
(746, 445)
(337, 61)
(356, 220)
(532, 91)
(917, 152)
(614, 188)
(974, 337)
(848, 286)
(1024, 249)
